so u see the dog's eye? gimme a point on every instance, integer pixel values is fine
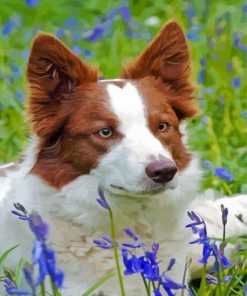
(163, 126)
(105, 132)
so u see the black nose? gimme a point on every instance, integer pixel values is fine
(161, 171)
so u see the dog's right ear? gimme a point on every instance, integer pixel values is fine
(53, 73)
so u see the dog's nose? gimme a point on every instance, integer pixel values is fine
(161, 171)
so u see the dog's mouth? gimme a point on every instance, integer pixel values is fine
(149, 191)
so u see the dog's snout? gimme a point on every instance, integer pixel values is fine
(161, 171)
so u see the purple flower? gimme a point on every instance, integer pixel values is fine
(237, 42)
(210, 248)
(96, 35)
(236, 82)
(124, 10)
(38, 227)
(42, 255)
(169, 285)
(105, 243)
(70, 22)
(102, 200)
(8, 26)
(229, 67)
(201, 76)
(19, 95)
(193, 36)
(224, 214)
(32, 3)
(213, 280)
(207, 164)
(11, 289)
(76, 49)
(59, 33)
(131, 234)
(223, 173)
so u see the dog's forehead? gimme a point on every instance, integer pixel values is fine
(127, 104)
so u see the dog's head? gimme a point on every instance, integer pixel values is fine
(124, 131)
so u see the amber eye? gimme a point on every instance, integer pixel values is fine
(105, 132)
(163, 126)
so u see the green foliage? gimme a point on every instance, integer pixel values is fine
(214, 29)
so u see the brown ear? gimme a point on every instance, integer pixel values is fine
(53, 73)
(167, 58)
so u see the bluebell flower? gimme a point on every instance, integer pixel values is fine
(32, 3)
(28, 271)
(131, 234)
(213, 280)
(229, 67)
(112, 13)
(8, 26)
(60, 33)
(237, 42)
(11, 289)
(203, 61)
(204, 119)
(15, 70)
(70, 22)
(125, 12)
(42, 255)
(157, 292)
(102, 200)
(245, 8)
(236, 82)
(19, 95)
(193, 36)
(224, 212)
(168, 284)
(38, 226)
(105, 243)
(223, 173)
(87, 53)
(190, 12)
(210, 248)
(76, 49)
(201, 76)
(207, 164)
(96, 35)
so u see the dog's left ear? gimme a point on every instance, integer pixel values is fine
(168, 59)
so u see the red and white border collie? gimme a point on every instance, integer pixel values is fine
(123, 135)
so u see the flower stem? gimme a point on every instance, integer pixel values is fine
(113, 235)
(146, 286)
(42, 286)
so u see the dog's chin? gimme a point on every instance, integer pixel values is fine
(142, 193)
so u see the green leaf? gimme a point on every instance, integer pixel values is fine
(98, 284)
(5, 254)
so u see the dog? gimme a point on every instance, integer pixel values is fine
(126, 135)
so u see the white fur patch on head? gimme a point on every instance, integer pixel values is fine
(128, 105)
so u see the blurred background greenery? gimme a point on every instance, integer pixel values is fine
(109, 34)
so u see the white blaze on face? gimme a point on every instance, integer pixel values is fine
(128, 106)
(124, 165)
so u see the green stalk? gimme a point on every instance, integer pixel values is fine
(219, 287)
(146, 286)
(203, 287)
(42, 287)
(113, 235)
